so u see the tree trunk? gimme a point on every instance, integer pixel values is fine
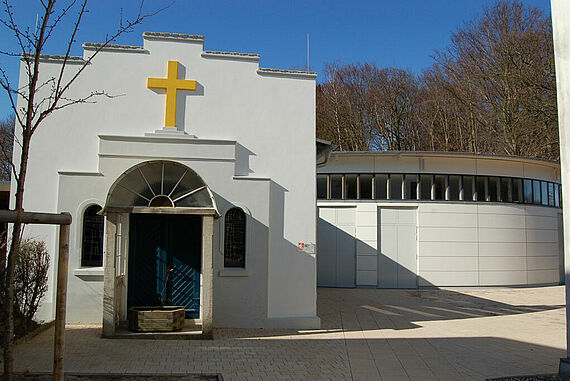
(8, 306)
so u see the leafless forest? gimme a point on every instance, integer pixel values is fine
(491, 90)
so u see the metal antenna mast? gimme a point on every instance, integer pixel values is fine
(308, 54)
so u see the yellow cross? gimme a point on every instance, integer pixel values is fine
(171, 84)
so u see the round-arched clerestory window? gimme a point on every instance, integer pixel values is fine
(92, 237)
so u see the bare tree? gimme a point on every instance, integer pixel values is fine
(342, 111)
(448, 116)
(393, 103)
(502, 64)
(362, 107)
(492, 90)
(36, 101)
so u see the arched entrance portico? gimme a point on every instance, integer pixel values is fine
(159, 221)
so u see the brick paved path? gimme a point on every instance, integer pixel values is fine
(365, 335)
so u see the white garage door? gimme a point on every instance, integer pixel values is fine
(397, 243)
(336, 251)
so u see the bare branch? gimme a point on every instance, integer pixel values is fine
(58, 19)
(11, 25)
(5, 83)
(62, 88)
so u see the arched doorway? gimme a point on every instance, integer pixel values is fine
(159, 217)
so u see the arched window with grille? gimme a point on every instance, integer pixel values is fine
(234, 238)
(92, 237)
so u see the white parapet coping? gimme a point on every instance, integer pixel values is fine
(173, 36)
(231, 55)
(114, 48)
(54, 58)
(287, 73)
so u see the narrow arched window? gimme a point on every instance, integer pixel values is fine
(92, 238)
(234, 238)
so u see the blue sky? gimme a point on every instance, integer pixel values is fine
(401, 33)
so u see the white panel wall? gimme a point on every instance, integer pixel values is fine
(465, 166)
(513, 168)
(538, 171)
(363, 163)
(366, 245)
(543, 253)
(487, 245)
(336, 260)
(448, 252)
(397, 163)
(460, 244)
(397, 254)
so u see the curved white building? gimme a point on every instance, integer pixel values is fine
(421, 219)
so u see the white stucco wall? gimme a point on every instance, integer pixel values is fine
(561, 34)
(459, 243)
(255, 148)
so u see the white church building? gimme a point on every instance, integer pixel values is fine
(192, 184)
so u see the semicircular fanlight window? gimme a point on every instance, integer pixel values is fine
(159, 183)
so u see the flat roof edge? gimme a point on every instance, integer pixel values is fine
(445, 154)
(323, 141)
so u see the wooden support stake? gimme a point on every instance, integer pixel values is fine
(59, 340)
(36, 218)
(63, 220)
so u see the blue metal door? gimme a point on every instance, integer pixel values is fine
(164, 261)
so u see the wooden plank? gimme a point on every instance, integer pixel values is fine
(36, 218)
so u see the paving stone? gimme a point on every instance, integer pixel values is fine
(388, 335)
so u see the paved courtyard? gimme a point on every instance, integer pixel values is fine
(365, 335)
